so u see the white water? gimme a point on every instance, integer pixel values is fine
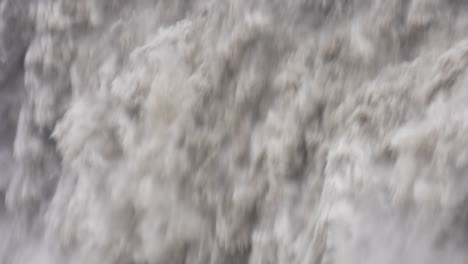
(240, 131)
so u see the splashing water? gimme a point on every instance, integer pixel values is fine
(254, 131)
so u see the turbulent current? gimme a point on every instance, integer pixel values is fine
(233, 131)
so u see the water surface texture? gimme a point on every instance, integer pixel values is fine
(233, 131)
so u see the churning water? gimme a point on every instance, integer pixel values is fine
(233, 131)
